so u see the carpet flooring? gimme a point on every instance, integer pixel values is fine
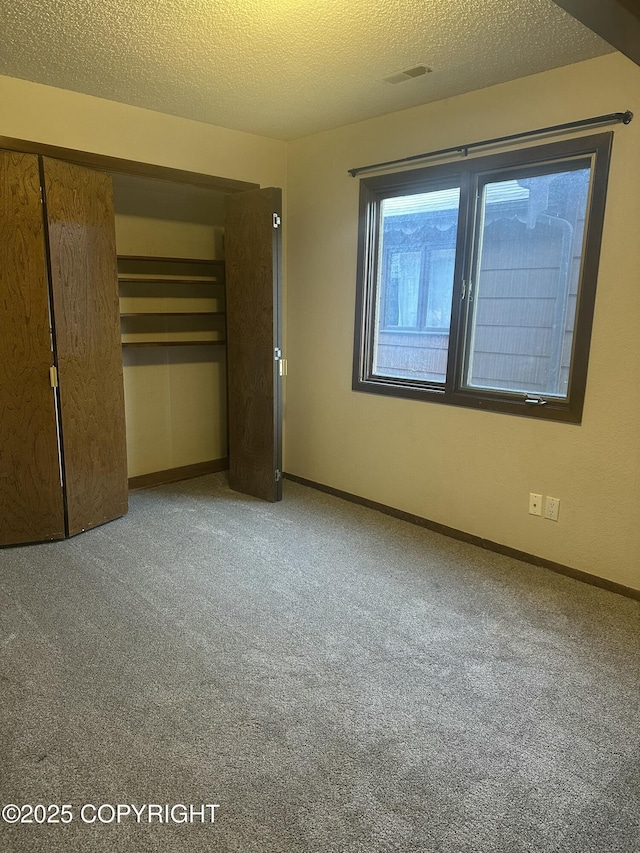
(333, 679)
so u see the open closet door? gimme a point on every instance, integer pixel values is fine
(79, 211)
(254, 308)
(31, 505)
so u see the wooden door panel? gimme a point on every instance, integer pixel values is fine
(31, 506)
(80, 217)
(253, 272)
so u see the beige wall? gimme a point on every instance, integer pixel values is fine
(467, 469)
(57, 117)
(168, 219)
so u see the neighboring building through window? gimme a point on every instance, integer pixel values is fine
(476, 280)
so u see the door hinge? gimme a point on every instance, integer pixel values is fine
(278, 475)
(41, 195)
(276, 220)
(53, 376)
(282, 362)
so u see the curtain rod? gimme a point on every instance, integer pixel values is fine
(611, 118)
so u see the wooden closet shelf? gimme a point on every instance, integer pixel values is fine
(173, 314)
(182, 273)
(128, 344)
(159, 260)
(136, 278)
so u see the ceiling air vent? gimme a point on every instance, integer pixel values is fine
(407, 74)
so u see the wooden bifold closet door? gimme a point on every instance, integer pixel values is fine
(62, 449)
(81, 226)
(253, 274)
(31, 505)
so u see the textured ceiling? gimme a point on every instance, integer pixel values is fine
(284, 68)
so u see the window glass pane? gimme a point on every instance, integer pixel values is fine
(403, 282)
(525, 283)
(416, 259)
(439, 293)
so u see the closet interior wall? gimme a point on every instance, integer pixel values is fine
(175, 395)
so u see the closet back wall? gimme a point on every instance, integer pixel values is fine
(175, 397)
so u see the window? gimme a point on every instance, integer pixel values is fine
(476, 279)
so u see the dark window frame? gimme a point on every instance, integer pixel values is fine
(469, 172)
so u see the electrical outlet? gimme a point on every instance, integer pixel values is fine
(552, 508)
(535, 504)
